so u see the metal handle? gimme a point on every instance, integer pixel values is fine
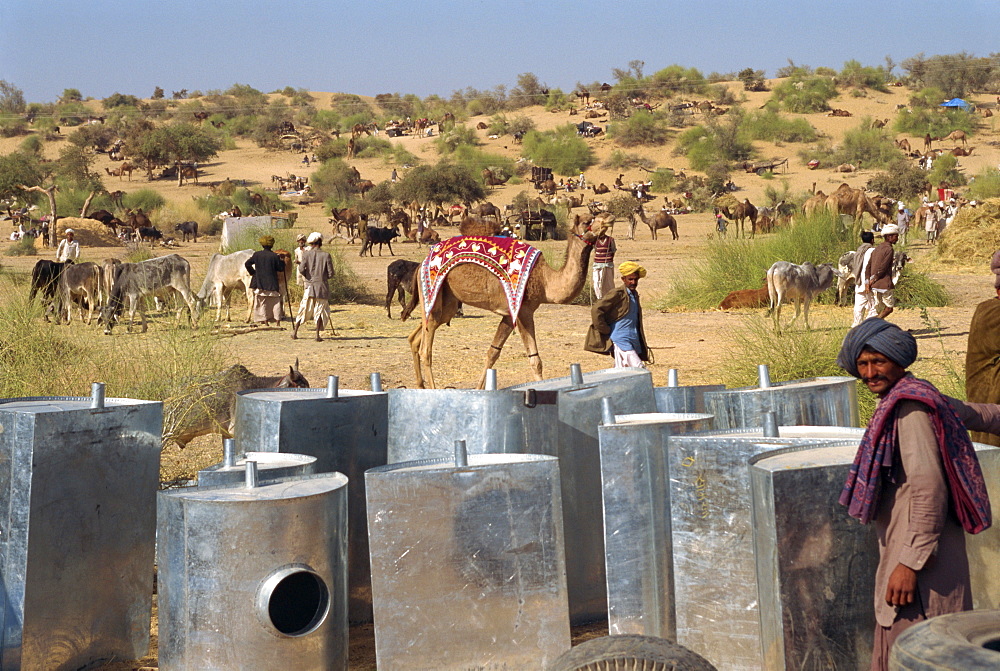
(228, 452)
(252, 475)
(575, 373)
(771, 424)
(376, 379)
(332, 386)
(672, 378)
(491, 379)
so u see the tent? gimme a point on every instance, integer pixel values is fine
(958, 102)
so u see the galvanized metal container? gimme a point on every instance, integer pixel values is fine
(819, 401)
(675, 398)
(637, 518)
(78, 480)
(815, 565)
(272, 465)
(468, 566)
(254, 577)
(714, 571)
(575, 402)
(423, 423)
(346, 432)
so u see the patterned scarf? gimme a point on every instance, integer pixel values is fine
(875, 454)
(509, 259)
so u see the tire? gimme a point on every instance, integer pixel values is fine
(969, 641)
(623, 653)
(761, 171)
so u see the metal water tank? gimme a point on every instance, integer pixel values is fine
(689, 398)
(346, 430)
(424, 422)
(576, 404)
(468, 564)
(271, 465)
(818, 401)
(711, 538)
(78, 481)
(255, 576)
(635, 486)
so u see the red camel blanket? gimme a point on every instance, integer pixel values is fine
(509, 259)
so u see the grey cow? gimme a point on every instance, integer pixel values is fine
(133, 281)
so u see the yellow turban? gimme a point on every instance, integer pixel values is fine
(630, 267)
(266, 241)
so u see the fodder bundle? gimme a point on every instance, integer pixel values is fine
(972, 236)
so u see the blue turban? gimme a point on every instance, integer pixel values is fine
(883, 337)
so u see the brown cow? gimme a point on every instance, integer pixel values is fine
(745, 298)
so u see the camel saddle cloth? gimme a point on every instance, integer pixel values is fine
(508, 258)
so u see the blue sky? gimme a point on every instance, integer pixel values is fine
(437, 46)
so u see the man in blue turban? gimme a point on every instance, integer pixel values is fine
(917, 476)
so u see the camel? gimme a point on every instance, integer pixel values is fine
(816, 202)
(959, 151)
(927, 142)
(879, 123)
(846, 167)
(659, 220)
(904, 145)
(584, 95)
(855, 202)
(126, 167)
(485, 210)
(360, 128)
(481, 125)
(987, 113)
(548, 186)
(600, 188)
(490, 179)
(956, 135)
(350, 148)
(474, 285)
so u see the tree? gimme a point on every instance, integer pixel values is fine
(11, 98)
(158, 93)
(901, 180)
(439, 184)
(154, 147)
(753, 80)
(71, 95)
(17, 169)
(120, 100)
(955, 74)
(527, 92)
(180, 95)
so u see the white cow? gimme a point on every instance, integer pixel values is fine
(800, 283)
(135, 280)
(845, 272)
(226, 273)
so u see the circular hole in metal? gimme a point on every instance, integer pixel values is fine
(296, 602)
(993, 644)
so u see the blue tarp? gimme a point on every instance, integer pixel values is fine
(958, 102)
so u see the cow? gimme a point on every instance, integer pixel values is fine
(382, 236)
(83, 281)
(188, 228)
(400, 279)
(148, 234)
(133, 281)
(45, 278)
(225, 273)
(801, 283)
(108, 268)
(745, 298)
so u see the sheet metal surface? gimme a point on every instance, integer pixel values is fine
(684, 399)
(271, 465)
(347, 434)
(576, 419)
(715, 579)
(820, 401)
(468, 565)
(636, 483)
(425, 423)
(78, 495)
(219, 550)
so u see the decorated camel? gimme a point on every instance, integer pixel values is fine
(469, 281)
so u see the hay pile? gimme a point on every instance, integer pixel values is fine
(972, 236)
(88, 232)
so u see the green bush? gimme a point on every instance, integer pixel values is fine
(901, 180)
(675, 79)
(12, 127)
(867, 146)
(620, 160)
(933, 122)
(23, 247)
(32, 144)
(805, 94)
(640, 129)
(662, 180)
(715, 142)
(147, 199)
(450, 140)
(475, 160)
(985, 185)
(557, 100)
(560, 149)
(945, 169)
(863, 77)
(770, 126)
